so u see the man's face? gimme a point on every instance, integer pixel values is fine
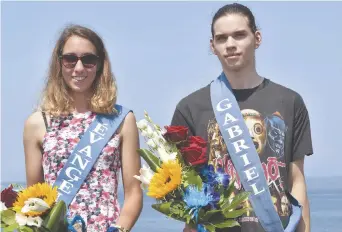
(233, 41)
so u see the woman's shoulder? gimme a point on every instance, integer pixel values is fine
(129, 124)
(35, 118)
(34, 121)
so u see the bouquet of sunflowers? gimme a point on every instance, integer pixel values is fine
(32, 209)
(186, 187)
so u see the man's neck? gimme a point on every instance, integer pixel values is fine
(243, 79)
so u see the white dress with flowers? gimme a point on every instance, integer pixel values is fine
(97, 200)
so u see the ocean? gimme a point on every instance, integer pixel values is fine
(325, 195)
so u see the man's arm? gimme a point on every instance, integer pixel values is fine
(301, 147)
(299, 191)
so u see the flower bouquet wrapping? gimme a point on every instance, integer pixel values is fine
(186, 187)
(32, 209)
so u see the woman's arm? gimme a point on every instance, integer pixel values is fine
(34, 130)
(130, 166)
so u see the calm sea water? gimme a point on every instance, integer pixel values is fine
(325, 195)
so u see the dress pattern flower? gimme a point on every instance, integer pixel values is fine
(97, 200)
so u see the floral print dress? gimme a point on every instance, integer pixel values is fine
(97, 200)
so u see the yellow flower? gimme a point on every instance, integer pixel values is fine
(42, 191)
(166, 179)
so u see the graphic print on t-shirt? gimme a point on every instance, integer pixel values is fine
(268, 135)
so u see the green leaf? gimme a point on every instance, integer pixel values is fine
(188, 217)
(18, 187)
(11, 228)
(163, 208)
(174, 210)
(237, 200)
(43, 229)
(210, 214)
(201, 212)
(55, 220)
(227, 224)
(210, 228)
(26, 229)
(227, 191)
(8, 216)
(152, 160)
(191, 177)
(236, 213)
(177, 208)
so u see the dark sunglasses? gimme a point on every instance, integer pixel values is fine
(70, 60)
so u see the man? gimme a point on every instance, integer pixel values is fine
(276, 117)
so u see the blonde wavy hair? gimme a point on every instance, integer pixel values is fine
(56, 98)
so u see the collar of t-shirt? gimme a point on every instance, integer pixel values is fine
(244, 94)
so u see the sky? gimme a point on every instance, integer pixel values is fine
(160, 53)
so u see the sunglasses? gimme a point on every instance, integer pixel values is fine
(70, 60)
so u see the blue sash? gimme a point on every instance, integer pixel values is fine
(86, 152)
(246, 159)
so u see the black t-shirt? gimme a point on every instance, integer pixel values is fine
(279, 125)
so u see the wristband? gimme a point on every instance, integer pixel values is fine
(119, 228)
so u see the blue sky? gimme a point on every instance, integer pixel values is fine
(160, 53)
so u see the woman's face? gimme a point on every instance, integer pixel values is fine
(79, 64)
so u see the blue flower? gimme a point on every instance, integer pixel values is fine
(208, 172)
(112, 229)
(213, 177)
(201, 228)
(210, 189)
(221, 177)
(196, 198)
(76, 219)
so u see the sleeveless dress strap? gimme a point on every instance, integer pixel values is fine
(45, 120)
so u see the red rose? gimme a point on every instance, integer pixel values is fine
(8, 196)
(198, 140)
(194, 154)
(176, 134)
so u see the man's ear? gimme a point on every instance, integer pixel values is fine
(258, 39)
(212, 46)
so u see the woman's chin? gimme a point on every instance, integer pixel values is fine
(79, 89)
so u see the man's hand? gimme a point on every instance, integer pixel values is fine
(298, 190)
(189, 229)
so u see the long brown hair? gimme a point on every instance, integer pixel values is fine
(56, 99)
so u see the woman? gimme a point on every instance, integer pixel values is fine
(80, 85)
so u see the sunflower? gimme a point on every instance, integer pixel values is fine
(166, 179)
(42, 191)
